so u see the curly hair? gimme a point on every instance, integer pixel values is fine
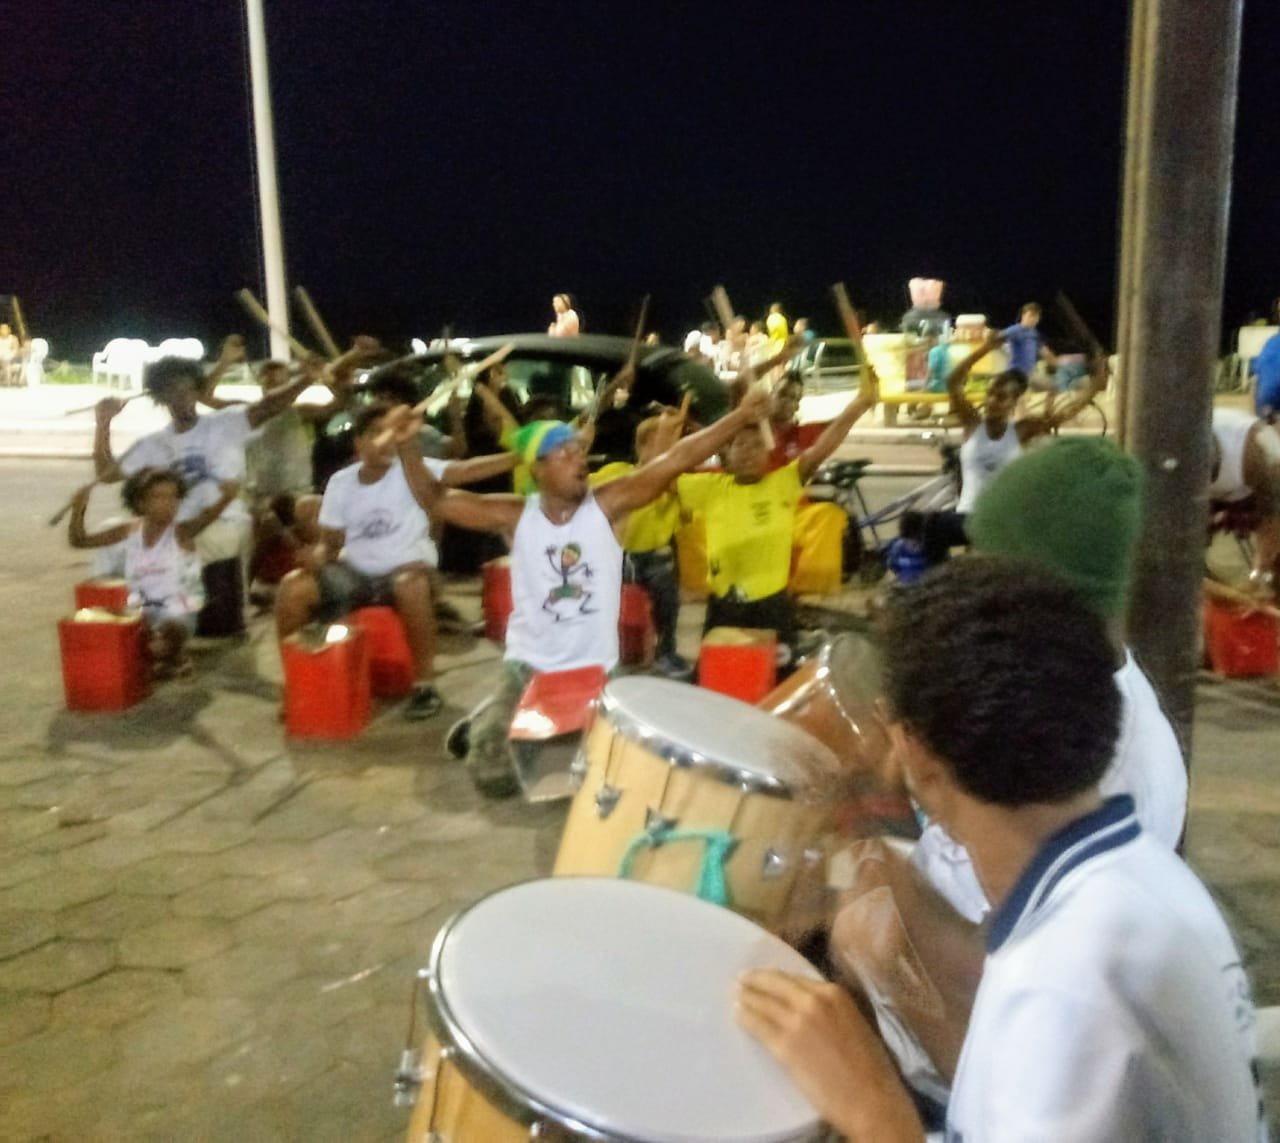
(163, 375)
(1005, 673)
(144, 480)
(367, 416)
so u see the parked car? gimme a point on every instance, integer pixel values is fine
(830, 364)
(568, 370)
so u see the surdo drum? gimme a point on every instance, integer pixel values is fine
(697, 791)
(600, 1009)
(833, 695)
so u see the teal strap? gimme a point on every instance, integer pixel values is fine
(712, 884)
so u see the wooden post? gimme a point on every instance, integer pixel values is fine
(1184, 60)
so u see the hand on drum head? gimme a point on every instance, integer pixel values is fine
(818, 1035)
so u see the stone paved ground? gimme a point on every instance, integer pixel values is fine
(209, 933)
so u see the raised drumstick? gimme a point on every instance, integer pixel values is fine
(384, 438)
(260, 315)
(852, 327)
(89, 408)
(635, 341)
(309, 311)
(61, 513)
(724, 311)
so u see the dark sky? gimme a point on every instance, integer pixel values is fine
(460, 162)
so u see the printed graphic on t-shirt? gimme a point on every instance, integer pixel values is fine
(194, 467)
(375, 526)
(570, 596)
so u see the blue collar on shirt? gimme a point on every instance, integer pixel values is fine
(1112, 825)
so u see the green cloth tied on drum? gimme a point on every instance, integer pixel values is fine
(712, 884)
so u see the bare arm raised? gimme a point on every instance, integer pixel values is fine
(637, 488)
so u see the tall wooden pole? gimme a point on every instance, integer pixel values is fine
(268, 198)
(1184, 59)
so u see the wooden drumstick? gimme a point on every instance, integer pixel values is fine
(89, 408)
(1076, 322)
(61, 513)
(312, 315)
(724, 311)
(635, 341)
(852, 327)
(260, 315)
(18, 319)
(384, 438)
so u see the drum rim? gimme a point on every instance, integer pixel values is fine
(509, 1097)
(633, 728)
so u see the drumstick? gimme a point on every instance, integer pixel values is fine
(1076, 322)
(89, 408)
(720, 299)
(318, 327)
(18, 319)
(61, 513)
(255, 311)
(852, 327)
(1221, 591)
(635, 341)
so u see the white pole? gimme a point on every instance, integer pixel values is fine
(268, 199)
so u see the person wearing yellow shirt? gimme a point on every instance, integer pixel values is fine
(649, 558)
(750, 515)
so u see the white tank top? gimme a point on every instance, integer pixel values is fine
(981, 458)
(566, 589)
(1231, 431)
(164, 575)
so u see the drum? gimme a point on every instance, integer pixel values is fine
(691, 789)
(591, 1009)
(832, 695)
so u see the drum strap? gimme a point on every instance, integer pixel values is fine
(712, 884)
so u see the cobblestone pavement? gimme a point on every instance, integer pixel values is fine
(208, 932)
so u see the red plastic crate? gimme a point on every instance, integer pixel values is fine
(739, 661)
(108, 594)
(636, 636)
(495, 598)
(326, 688)
(105, 666)
(1239, 644)
(391, 673)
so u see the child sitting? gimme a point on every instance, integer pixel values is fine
(905, 557)
(160, 562)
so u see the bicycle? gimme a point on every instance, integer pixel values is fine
(837, 482)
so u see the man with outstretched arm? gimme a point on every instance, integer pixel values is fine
(566, 562)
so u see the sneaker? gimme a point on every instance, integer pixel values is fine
(673, 666)
(425, 702)
(458, 740)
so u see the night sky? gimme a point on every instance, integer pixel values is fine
(461, 162)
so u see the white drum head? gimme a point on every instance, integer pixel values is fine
(693, 726)
(607, 1006)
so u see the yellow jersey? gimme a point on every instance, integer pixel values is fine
(649, 527)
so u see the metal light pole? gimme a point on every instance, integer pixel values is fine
(268, 198)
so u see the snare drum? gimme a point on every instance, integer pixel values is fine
(592, 1009)
(833, 695)
(695, 790)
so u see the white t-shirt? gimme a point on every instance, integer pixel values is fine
(209, 452)
(981, 458)
(566, 589)
(1231, 428)
(1113, 1005)
(385, 526)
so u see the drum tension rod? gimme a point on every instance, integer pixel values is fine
(410, 1074)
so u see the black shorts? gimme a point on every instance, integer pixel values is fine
(772, 613)
(343, 590)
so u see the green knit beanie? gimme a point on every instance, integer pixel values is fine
(1074, 506)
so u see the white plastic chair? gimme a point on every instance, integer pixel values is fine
(192, 348)
(33, 367)
(121, 362)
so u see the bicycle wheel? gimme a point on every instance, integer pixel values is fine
(1089, 421)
